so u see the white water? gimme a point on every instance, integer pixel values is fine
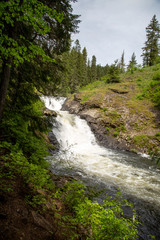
(79, 152)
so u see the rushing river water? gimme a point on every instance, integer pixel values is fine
(80, 156)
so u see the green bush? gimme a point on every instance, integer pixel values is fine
(156, 76)
(33, 174)
(113, 75)
(100, 221)
(157, 134)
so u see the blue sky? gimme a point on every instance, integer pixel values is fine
(110, 26)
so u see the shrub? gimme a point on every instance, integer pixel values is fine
(113, 74)
(157, 134)
(156, 76)
(116, 134)
(100, 221)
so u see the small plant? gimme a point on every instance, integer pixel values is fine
(108, 129)
(140, 97)
(116, 134)
(156, 76)
(37, 201)
(140, 140)
(133, 150)
(157, 134)
(139, 80)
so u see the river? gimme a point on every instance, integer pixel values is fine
(81, 157)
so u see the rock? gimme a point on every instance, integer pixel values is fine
(50, 113)
(77, 97)
(118, 91)
(97, 125)
(53, 141)
(41, 221)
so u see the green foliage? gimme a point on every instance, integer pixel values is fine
(140, 140)
(100, 221)
(87, 96)
(77, 71)
(132, 66)
(156, 76)
(38, 201)
(108, 129)
(149, 85)
(116, 134)
(15, 13)
(113, 74)
(157, 134)
(74, 194)
(151, 50)
(22, 126)
(32, 173)
(154, 91)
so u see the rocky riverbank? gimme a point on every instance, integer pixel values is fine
(117, 122)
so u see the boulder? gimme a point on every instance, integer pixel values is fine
(50, 113)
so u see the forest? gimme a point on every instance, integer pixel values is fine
(38, 57)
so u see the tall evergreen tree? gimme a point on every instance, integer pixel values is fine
(122, 63)
(84, 67)
(93, 68)
(151, 50)
(89, 73)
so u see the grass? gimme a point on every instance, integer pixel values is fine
(132, 113)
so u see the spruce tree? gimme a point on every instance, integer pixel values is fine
(132, 63)
(93, 69)
(122, 63)
(84, 67)
(151, 50)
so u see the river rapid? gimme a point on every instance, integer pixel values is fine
(81, 157)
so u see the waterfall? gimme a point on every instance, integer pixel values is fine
(80, 154)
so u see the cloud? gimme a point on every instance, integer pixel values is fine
(110, 26)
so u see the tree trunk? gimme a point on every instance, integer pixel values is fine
(4, 84)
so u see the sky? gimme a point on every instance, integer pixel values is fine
(109, 27)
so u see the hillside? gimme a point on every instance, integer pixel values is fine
(123, 115)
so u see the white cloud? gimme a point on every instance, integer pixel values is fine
(110, 26)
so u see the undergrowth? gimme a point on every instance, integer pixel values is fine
(99, 221)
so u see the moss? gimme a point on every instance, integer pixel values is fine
(87, 96)
(140, 140)
(116, 134)
(133, 150)
(157, 134)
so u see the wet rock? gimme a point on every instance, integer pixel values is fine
(50, 113)
(53, 140)
(96, 123)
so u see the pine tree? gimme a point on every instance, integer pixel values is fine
(84, 67)
(89, 73)
(122, 63)
(151, 50)
(93, 69)
(132, 63)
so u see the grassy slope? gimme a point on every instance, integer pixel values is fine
(130, 115)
